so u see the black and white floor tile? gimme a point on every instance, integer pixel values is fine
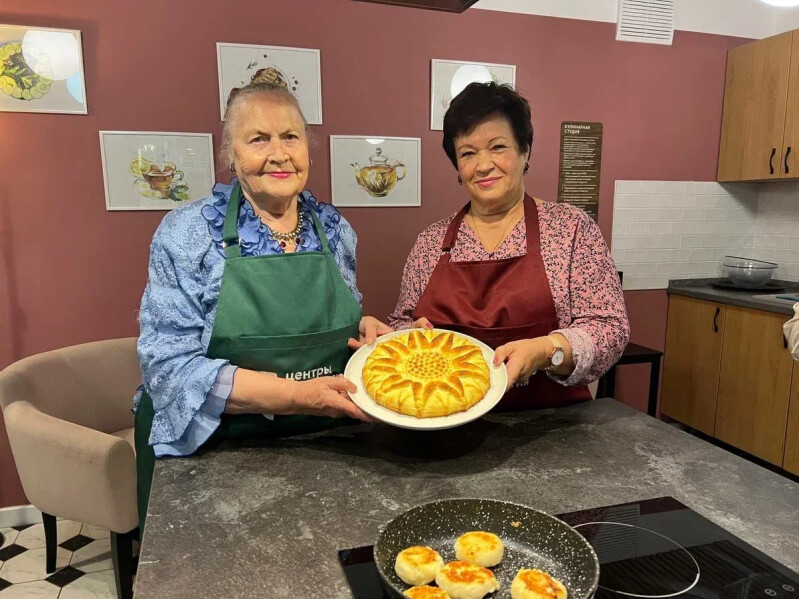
(84, 569)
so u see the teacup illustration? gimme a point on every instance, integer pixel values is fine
(159, 180)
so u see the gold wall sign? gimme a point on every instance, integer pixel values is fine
(580, 165)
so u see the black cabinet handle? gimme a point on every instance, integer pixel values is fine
(715, 320)
(771, 161)
(787, 153)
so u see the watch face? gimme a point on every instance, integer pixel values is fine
(557, 357)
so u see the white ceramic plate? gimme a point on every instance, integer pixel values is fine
(499, 382)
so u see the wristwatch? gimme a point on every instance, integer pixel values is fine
(557, 356)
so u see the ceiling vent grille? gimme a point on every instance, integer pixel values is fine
(646, 21)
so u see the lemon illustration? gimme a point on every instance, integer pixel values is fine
(139, 165)
(17, 78)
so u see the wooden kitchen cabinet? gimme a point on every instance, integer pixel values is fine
(791, 461)
(692, 362)
(755, 384)
(759, 122)
(790, 143)
(727, 373)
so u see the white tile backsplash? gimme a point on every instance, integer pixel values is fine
(648, 187)
(627, 187)
(683, 229)
(777, 228)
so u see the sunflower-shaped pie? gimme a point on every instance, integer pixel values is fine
(426, 374)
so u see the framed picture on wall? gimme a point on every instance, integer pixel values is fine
(41, 70)
(375, 172)
(450, 77)
(155, 171)
(296, 69)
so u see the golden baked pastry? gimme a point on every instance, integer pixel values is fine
(426, 374)
(481, 548)
(418, 565)
(462, 580)
(535, 584)
(426, 592)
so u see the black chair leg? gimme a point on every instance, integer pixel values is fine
(122, 554)
(610, 383)
(50, 541)
(654, 384)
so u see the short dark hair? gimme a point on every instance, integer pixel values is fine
(476, 102)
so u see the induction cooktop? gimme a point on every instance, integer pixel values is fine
(649, 549)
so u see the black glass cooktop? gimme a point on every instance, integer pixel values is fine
(650, 549)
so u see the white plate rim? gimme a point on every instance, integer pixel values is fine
(354, 368)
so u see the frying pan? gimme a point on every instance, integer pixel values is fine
(532, 539)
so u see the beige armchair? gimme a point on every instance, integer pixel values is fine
(69, 421)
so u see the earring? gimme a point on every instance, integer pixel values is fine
(526, 167)
(310, 162)
(232, 169)
(460, 181)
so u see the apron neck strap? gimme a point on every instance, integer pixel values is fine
(230, 234)
(320, 231)
(452, 230)
(533, 230)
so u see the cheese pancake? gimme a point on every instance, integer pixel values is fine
(535, 584)
(463, 580)
(426, 592)
(481, 548)
(418, 565)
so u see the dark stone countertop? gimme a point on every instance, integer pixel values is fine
(267, 519)
(745, 298)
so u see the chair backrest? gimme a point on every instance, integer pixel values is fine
(90, 384)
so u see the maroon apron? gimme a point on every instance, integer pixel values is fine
(499, 301)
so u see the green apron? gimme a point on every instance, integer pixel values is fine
(290, 314)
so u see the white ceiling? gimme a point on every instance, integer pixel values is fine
(742, 18)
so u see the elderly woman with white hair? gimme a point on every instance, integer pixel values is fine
(251, 306)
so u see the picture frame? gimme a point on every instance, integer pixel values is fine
(375, 171)
(297, 69)
(41, 70)
(153, 170)
(449, 77)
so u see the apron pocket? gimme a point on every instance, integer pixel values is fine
(301, 357)
(294, 341)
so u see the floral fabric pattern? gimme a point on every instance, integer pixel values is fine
(582, 277)
(178, 308)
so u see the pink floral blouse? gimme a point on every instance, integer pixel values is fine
(582, 277)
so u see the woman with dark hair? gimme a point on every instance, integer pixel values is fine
(532, 279)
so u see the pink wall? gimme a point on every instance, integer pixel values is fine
(72, 272)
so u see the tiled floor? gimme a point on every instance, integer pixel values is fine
(83, 562)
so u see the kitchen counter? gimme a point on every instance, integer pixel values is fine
(266, 519)
(746, 298)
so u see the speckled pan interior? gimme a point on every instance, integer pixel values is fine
(537, 541)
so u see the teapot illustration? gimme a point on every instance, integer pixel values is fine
(379, 177)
